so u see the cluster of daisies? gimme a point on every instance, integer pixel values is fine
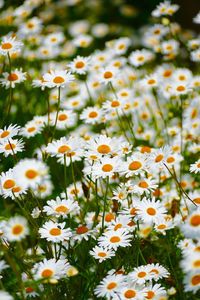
(99, 156)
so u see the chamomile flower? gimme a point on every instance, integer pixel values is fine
(11, 79)
(91, 115)
(101, 253)
(55, 232)
(140, 275)
(140, 57)
(102, 146)
(84, 232)
(113, 239)
(80, 65)
(192, 224)
(61, 207)
(10, 185)
(107, 75)
(150, 211)
(11, 147)
(155, 291)
(82, 41)
(30, 172)
(66, 150)
(50, 269)
(192, 282)
(9, 132)
(104, 168)
(109, 286)
(16, 229)
(65, 119)
(195, 168)
(132, 291)
(32, 26)
(157, 271)
(165, 8)
(31, 129)
(10, 45)
(143, 185)
(134, 165)
(57, 78)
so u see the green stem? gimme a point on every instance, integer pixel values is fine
(104, 204)
(57, 112)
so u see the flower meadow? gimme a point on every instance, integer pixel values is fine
(99, 153)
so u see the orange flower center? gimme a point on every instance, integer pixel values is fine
(107, 168)
(109, 217)
(170, 159)
(197, 263)
(159, 158)
(151, 81)
(196, 200)
(115, 103)
(140, 58)
(108, 75)
(154, 271)
(118, 226)
(55, 231)
(10, 146)
(167, 73)
(31, 174)
(103, 149)
(31, 129)
(150, 294)
(145, 149)
(195, 220)
(135, 165)
(93, 114)
(8, 184)
(63, 149)
(81, 229)
(79, 64)
(161, 226)
(58, 79)
(5, 134)
(180, 88)
(130, 294)
(17, 229)
(102, 254)
(151, 211)
(143, 184)
(181, 77)
(12, 77)
(196, 280)
(115, 239)
(47, 273)
(61, 209)
(6, 46)
(16, 189)
(142, 274)
(29, 290)
(62, 117)
(111, 285)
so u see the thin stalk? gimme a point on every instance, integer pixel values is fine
(57, 112)
(104, 204)
(179, 185)
(89, 94)
(161, 113)
(65, 176)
